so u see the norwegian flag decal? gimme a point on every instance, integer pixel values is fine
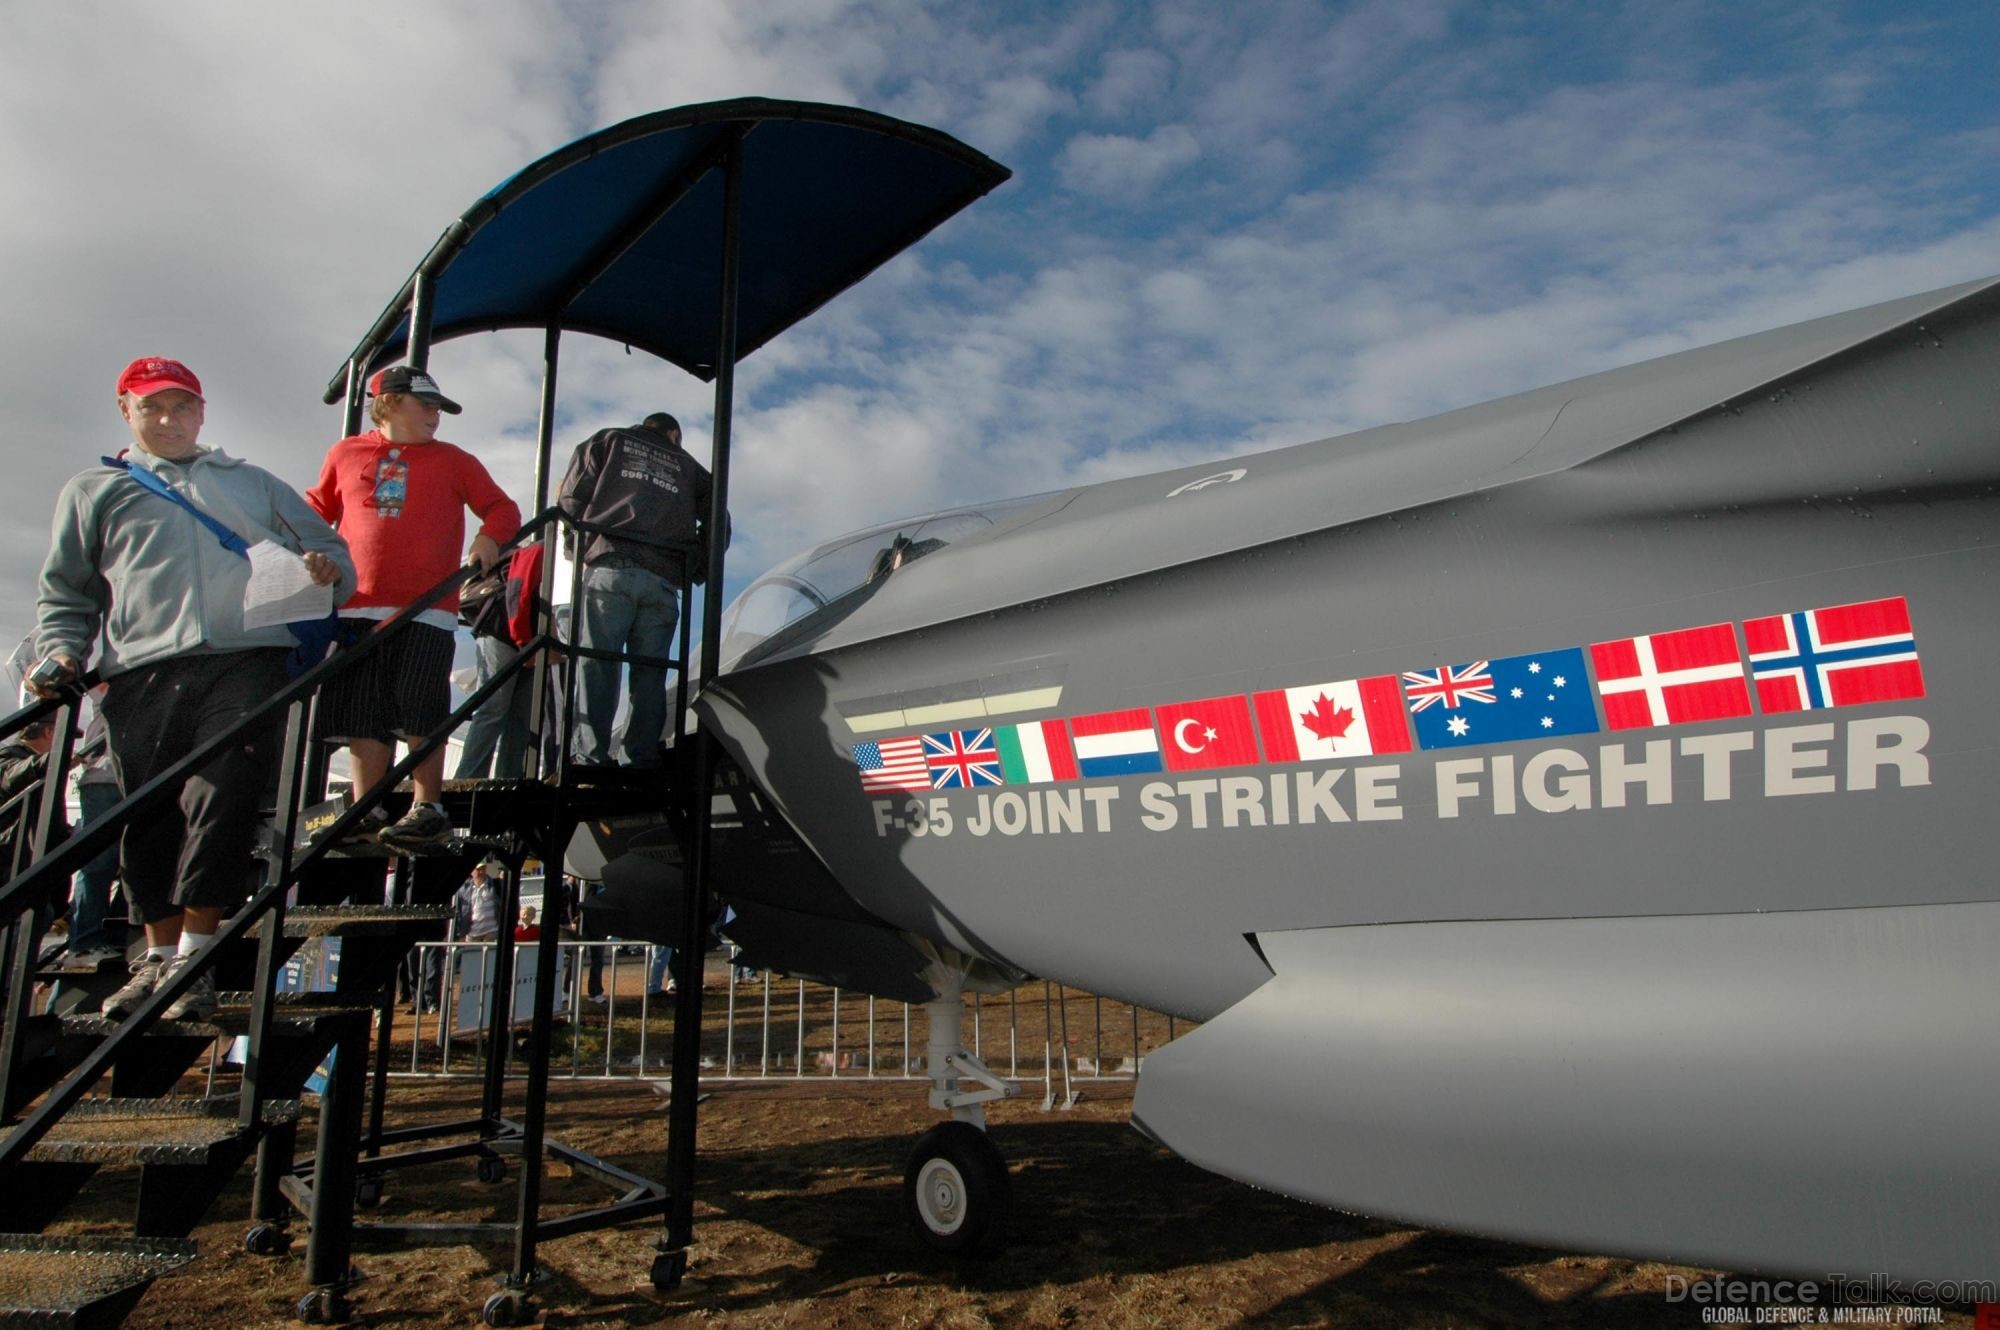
(1840, 656)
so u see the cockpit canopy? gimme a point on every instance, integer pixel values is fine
(816, 588)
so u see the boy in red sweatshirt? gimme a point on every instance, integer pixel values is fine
(399, 494)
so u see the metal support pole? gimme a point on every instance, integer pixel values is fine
(534, 1120)
(545, 431)
(500, 1002)
(32, 923)
(537, 675)
(423, 293)
(385, 1023)
(330, 1230)
(271, 941)
(669, 1266)
(350, 409)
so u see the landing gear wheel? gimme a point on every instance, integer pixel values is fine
(955, 1190)
(368, 1192)
(267, 1240)
(324, 1306)
(507, 1307)
(492, 1168)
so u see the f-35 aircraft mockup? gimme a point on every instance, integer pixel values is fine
(1566, 815)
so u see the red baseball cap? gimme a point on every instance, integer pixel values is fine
(156, 374)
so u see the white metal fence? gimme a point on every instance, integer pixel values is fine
(755, 1026)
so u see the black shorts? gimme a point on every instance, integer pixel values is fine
(402, 691)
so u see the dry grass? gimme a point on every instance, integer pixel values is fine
(799, 1223)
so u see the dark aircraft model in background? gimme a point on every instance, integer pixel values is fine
(1566, 815)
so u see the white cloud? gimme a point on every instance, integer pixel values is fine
(1124, 168)
(1130, 83)
(1010, 109)
(1375, 213)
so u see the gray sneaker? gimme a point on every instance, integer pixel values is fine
(145, 978)
(424, 826)
(371, 826)
(198, 1003)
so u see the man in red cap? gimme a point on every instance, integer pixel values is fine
(141, 579)
(399, 494)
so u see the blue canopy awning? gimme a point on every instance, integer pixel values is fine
(620, 234)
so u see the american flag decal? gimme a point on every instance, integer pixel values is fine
(892, 764)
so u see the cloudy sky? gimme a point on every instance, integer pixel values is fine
(1231, 226)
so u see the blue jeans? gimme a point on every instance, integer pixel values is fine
(629, 610)
(501, 723)
(90, 892)
(661, 970)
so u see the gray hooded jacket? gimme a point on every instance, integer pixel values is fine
(140, 570)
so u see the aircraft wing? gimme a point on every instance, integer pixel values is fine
(1666, 1086)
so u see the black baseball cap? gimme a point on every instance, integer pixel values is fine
(403, 379)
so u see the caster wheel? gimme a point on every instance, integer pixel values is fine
(267, 1240)
(368, 1192)
(668, 1268)
(324, 1306)
(492, 1169)
(955, 1190)
(507, 1307)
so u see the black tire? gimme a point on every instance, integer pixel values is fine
(368, 1192)
(267, 1240)
(505, 1308)
(492, 1169)
(324, 1306)
(955, 1190)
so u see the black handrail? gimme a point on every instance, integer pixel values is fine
(27, 889)
(83, 846)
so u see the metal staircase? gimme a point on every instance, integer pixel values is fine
(81, 1095)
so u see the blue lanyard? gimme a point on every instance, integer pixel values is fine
(232, 542)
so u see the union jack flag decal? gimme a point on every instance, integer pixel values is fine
(1451, 686)
(961, 759)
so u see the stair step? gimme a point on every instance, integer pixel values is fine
(356, 920)
(61, 1281)
(148, 1131)
(295, 1013)
(53, 972)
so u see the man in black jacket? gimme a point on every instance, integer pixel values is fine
(646, 504)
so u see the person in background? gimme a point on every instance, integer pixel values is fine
(527, 930)
(137, 576)
(23, 759)
(659, 975)
(497, 734)
(579, 892)
(399, 495)
(649, 502)
(476, 908)
(94, 936)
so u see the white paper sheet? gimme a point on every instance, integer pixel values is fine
(280, 588)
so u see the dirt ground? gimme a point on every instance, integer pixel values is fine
(799, 1223)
